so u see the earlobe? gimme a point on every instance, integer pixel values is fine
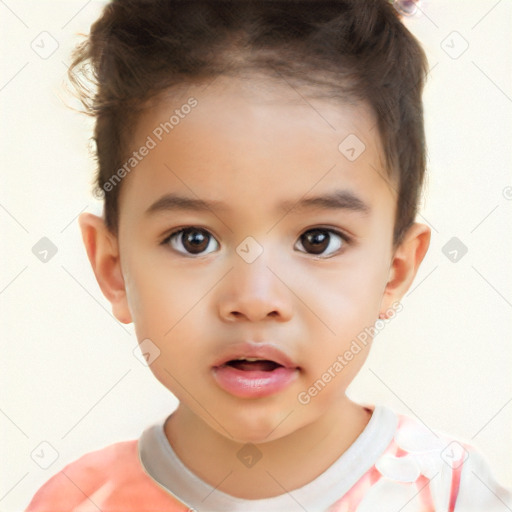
(405, 263)
(103, 253)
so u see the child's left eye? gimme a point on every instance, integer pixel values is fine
(194, 241)
(317, 240)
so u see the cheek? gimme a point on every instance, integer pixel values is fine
(168, 307)
(159, 310)
(350, 295)
(145, 295)
(157, 294)
(347, 301)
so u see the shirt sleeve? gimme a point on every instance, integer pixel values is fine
(110, 479)
(478, 489)
(62, 494)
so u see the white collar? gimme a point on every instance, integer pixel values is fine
(161, 463)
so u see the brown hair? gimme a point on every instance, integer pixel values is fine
(347, 50)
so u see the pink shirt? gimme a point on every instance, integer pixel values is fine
(395, 464)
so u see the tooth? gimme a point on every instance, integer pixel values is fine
(250, 359)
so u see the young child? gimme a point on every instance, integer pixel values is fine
(288, 138)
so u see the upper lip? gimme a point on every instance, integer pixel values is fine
(264, 351)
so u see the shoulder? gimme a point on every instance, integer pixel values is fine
(455, 473)
(108, 477)
(425, 470)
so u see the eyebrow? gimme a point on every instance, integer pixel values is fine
(335, 200)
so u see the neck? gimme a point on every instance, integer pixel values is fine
(309, 451)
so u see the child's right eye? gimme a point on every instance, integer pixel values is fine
(193, 240)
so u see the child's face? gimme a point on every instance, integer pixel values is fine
(196, 297)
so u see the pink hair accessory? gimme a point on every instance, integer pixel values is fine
(406, 7)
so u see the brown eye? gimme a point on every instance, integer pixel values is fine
(318, 240)
(190, 240)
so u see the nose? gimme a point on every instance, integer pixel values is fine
(254, 292)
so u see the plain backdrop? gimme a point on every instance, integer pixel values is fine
(70, 382)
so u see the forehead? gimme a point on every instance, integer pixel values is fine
(257, 142)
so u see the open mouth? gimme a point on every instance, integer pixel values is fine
(248, 377)
(253, 365)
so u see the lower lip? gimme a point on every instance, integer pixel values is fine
(253, 384)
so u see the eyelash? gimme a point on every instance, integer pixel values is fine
(347, 240)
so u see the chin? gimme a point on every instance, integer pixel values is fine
(256, 427)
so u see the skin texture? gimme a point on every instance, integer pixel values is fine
(253, 145)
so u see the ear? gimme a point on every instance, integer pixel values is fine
(103, 251)
(404, 265)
